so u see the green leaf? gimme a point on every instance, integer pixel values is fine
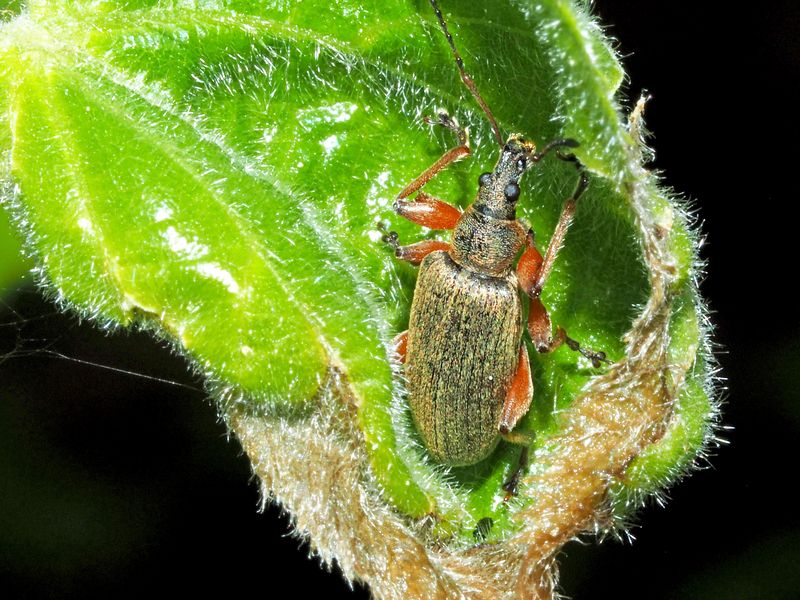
(216, 172)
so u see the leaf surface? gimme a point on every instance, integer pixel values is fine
(216, 172)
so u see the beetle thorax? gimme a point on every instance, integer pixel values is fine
(488, 238)
(484, 244)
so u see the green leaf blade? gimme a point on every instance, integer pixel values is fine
(217, 173)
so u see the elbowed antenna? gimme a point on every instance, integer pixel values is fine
(465, 76)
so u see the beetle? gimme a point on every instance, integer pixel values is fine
(466, 365)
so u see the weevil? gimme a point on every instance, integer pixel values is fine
(466, 365)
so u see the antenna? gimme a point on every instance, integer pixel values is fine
(465, 76)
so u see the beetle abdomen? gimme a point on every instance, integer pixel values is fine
(463, 345)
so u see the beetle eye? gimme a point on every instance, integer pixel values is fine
(485, 179)
(512, 192)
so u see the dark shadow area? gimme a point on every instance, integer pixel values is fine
(113, 485)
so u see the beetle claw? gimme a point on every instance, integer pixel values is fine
(391, 239)
(511, 488)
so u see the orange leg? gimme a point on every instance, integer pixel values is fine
(529, 265)
(557, 240)
(540, 329)
(539, 325)
(428, 211)
(533, 271)
(553, 247)
(400, 345)
(414, 253)
(447, 158)
(519, 395)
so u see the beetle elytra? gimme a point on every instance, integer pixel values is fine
(466, 365)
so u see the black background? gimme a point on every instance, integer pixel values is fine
(118, 486)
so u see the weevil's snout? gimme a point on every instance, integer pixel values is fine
(499, 190)
(516, 156)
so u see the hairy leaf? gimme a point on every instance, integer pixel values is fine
(217, 171)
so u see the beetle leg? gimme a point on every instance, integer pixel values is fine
(428, 211)
(512, 484)
(517, 403)
(519, 395)
(540, 329)
(529, 265)
(399, 345)
(447, 158)
(553, 247)
(414, 253)
(557, 240)
(533, 270)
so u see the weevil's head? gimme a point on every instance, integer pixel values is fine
(499, 190)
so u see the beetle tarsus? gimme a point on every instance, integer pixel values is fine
(391, 239)
(597, 357)
(444, 119)
(565, 143)
(482, 529)
(512, 485)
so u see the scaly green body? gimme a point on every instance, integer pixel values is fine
(463, 345)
